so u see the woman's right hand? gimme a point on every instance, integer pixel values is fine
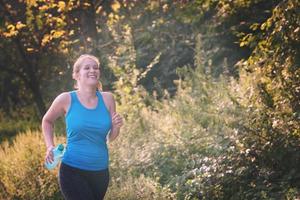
(49, 155)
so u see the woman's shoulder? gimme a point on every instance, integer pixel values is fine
(64, 97)
(107, 94)
(108, 99)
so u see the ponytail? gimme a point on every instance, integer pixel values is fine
(99, 86)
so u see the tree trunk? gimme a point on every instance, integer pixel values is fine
(37, 96)
(31, 80)
(88, 27)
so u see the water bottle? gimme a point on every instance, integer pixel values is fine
(58, 153)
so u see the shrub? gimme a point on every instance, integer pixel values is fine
(22, 173)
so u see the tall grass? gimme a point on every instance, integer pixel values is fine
(23, 176)
(22, 173)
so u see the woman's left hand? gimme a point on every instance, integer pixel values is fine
(117, 120)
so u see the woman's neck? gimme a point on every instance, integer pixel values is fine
(87, 93)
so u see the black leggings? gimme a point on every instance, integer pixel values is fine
(77, 184)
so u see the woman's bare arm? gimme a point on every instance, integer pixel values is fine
(57, 109)
(117, 121)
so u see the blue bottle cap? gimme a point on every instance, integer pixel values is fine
(60, 147)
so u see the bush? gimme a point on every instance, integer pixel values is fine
(136, 188)
(9, 128)
(22, 173)
(23, 176)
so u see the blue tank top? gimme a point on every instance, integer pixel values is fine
(86, 135)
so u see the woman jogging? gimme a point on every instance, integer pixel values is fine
(91, 120)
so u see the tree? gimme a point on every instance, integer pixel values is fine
(28, 43)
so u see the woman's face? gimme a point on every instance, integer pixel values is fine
(89, 72)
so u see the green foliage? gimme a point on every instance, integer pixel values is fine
(181, 142)
(22, 172)
(137, 188)
(23, 175)
(273, 127)
(216, 138)
(32, 51)
(123, 64)
(10, 127)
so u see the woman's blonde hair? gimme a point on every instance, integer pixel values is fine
(78, 64)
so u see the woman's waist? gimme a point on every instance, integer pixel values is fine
(86, 149)
(87, 162)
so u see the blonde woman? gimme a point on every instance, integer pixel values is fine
(91, 119)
